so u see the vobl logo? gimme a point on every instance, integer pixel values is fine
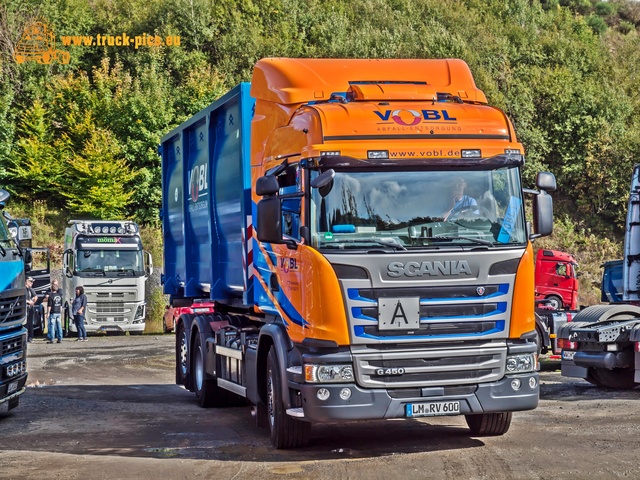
(408, 118)
(288, 264)
(198, 183)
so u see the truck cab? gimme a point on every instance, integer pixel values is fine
(107, 259)
(556, 279)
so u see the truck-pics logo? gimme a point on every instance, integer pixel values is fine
(38, 44)
(416, 269)
(409, 118)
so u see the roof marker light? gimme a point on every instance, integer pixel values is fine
(471, 154)
(376, 154)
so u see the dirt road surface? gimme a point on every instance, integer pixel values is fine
(108, 409)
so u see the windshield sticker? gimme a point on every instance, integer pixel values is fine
(510, 220)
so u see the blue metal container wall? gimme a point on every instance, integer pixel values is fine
(173, 214)
(198, 238)
(207, 201)
(232, 185)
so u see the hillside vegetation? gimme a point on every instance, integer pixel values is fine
(80, 139)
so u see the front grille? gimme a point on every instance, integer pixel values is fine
(430, 368)
(440, 328)
(110, 309)
(12, 345)
(12, 308)
(110, 319)
(417, 392)
(427, 293)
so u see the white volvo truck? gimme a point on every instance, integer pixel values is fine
(107, 259)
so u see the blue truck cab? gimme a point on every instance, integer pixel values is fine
(13, 317)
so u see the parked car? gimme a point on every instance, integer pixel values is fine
(172, 313)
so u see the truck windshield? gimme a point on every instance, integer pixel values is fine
(5, 237)
(417, 209)
(112, 260)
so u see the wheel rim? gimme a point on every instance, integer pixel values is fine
(183, 353)
(270, 401)
(199, 368)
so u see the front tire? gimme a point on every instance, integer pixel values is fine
(554, 302)
(489, 424)
(286, 432)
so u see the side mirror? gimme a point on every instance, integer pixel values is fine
(65, 263)
(269, 220)
(546, 181)
(324, 182)
(267, 185)
(28, 260)
(542, 214)
(149, 264)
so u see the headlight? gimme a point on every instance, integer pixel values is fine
(139, 312)
(521, 363)
(328, 373)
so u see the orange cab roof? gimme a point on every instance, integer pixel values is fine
(300, 80)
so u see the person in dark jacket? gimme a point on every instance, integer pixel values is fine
(54, 307)
(32, 298)
(78, 310)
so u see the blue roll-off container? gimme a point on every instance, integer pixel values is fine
(206, 201)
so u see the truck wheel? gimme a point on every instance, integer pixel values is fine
(286, 432)
(539, 347)
(182, 357)
(489, 424)
(621, 378)
(203, 387)
(554, 302)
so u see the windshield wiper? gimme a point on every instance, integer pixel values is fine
(97, 273)
(380, 241)
(127, 271)
(450, 239)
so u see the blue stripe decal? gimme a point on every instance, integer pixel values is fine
(359, 332)
(354, 294)
(284, 303)
(357, 313)
(503, 289)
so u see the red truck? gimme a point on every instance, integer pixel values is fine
(556, 280)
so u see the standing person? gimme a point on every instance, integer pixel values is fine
(78, 309)
(54, 308)
(32, 298)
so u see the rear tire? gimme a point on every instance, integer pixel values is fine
(620, 378)
(489, 424)
(286, 432)
(182, 357)
(208, 394)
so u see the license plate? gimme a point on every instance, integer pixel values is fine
(432, 409)
(111, 329)
(567, 355)
(13, 386)
(399, 313)
(201, 310)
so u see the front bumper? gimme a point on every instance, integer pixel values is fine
(371, 404)
(11, 389)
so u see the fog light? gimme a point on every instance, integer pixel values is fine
(533, 383)
(323, 394)
(345, 393)
(516, 384)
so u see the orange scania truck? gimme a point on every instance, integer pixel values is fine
(360, 226)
